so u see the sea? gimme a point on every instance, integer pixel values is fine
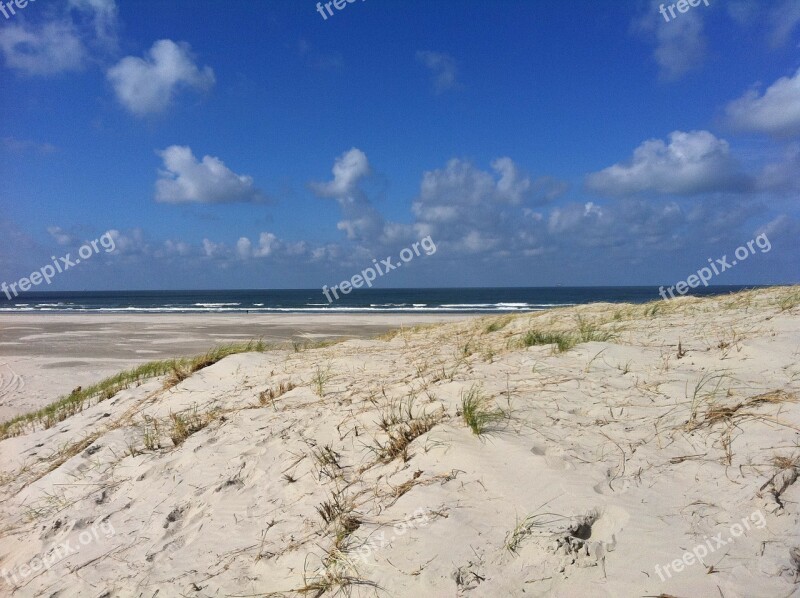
(431, 300)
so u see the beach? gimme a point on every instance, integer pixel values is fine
(602, 449)
(45, 355)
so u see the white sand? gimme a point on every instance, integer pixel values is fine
(598, 464)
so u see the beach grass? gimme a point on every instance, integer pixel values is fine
(81, 398)
(479, 412)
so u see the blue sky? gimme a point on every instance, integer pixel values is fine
(255, 144)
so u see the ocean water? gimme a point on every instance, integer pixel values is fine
(469, 300)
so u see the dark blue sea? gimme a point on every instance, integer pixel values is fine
(451, 300)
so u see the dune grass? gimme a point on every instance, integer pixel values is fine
(81, 398)
(479, 412)
(565, 340)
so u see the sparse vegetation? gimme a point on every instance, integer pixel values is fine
(701, 394)
(328, 461)
(479, 412)
(790, 300)
(562, 340)
(403, 426)
(82, 398)
(187, 423)
(589, 331)
(320, 378)
(499, 324)
(152, 434)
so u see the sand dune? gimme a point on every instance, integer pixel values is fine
(601, 450)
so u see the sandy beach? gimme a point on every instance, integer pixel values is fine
(43, 356)
(598, 450)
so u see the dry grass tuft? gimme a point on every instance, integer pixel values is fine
(187, 423)
(403, 424)
(269, 395)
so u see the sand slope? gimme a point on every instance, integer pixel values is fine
(596, 465)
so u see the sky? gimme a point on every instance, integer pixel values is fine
(279, 144)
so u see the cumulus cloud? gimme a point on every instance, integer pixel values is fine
(214, 250)
(776, 112)
(148, 85)
(361, 220)
(513, 186)
(691, 163)
(445, 193)
(132, 243)
(64, 42)
(184, 179)
(679, 46)
(269, 245)
(473, 210)
(348, 170)
(443, 69)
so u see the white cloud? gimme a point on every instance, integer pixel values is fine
(692, 163)
(214, 250)
(173, 248)
(269, 245)
(348, 170)
(476, 211)
(573, 217)
(62, 43)
(680, 44)
(446, 193)
(513, 186)
(52, 48)
(148, 85)
(244, 248)
(776, 112)
(442, 67)
(132, 243)
(185, 180)
(361, 220)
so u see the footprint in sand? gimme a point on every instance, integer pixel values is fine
(553, 457)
